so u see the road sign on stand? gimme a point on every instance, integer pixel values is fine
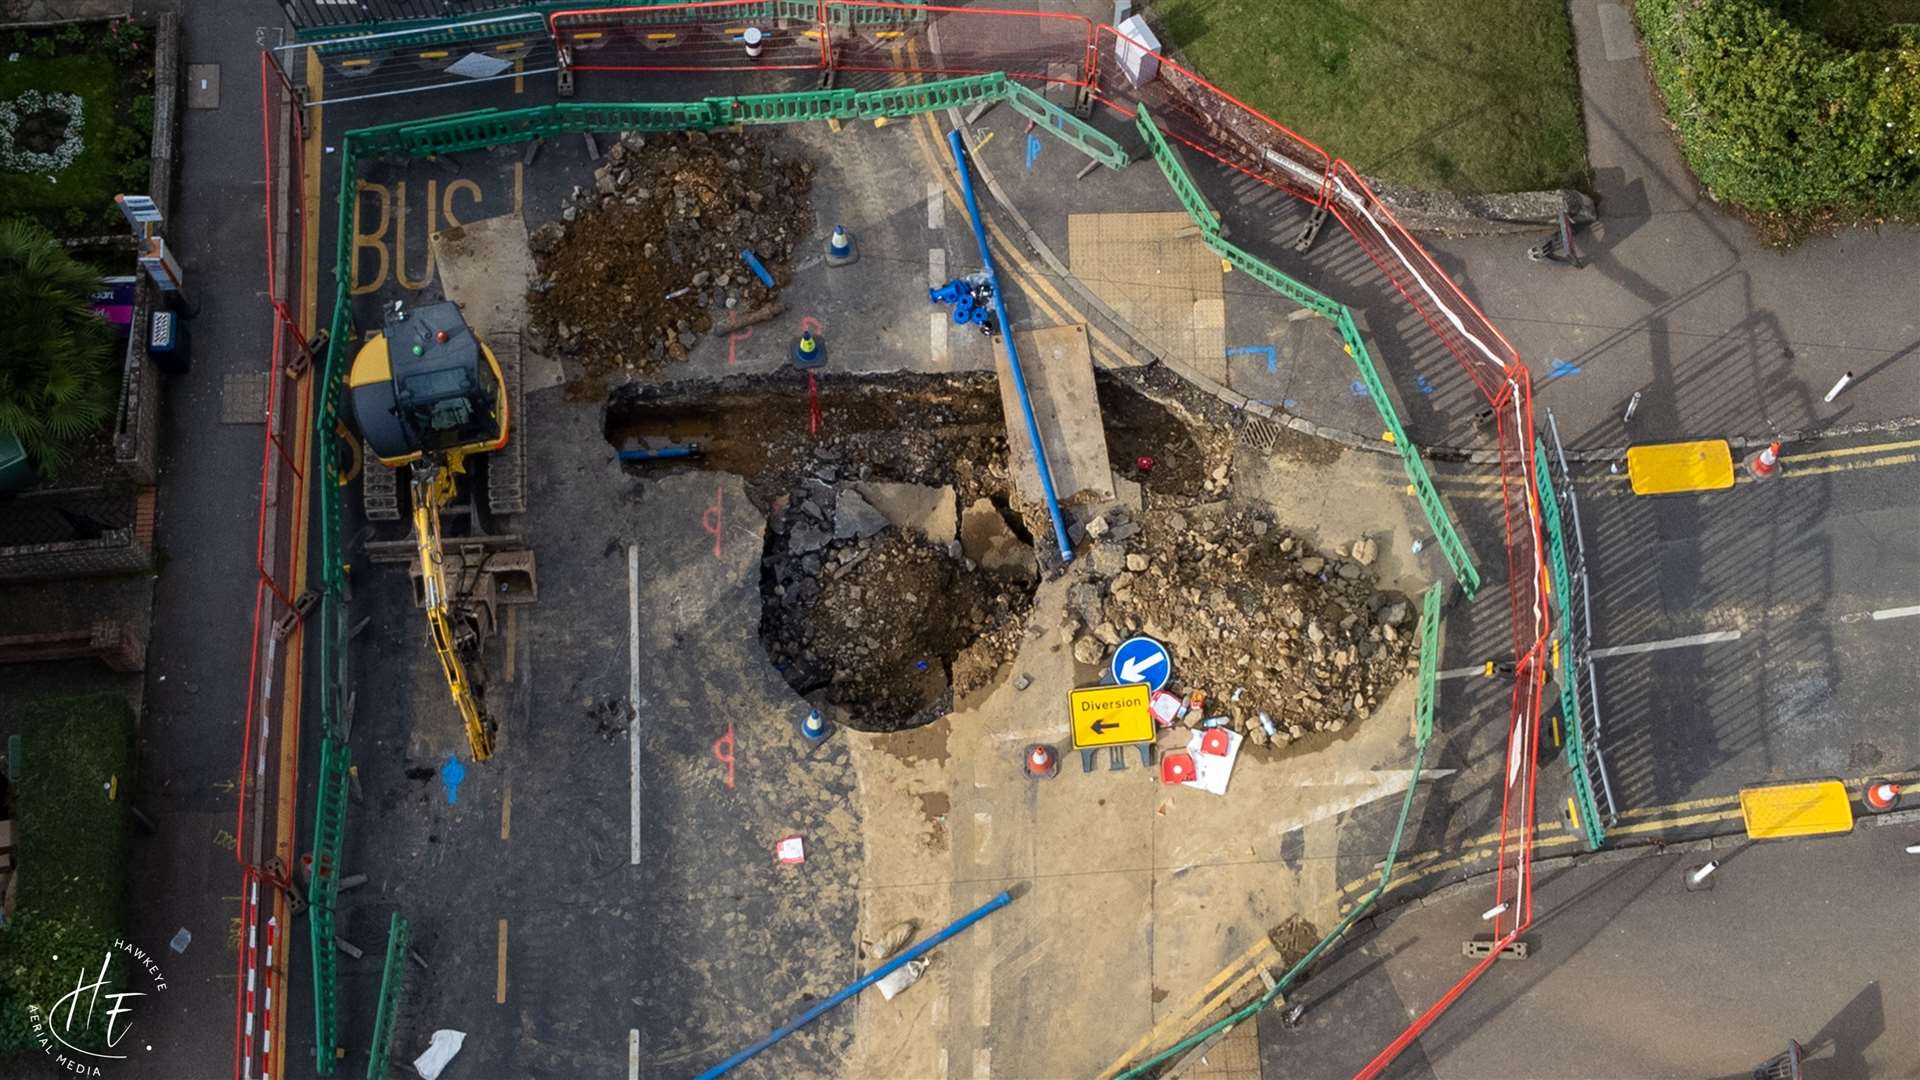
(1142, 660)
(1110, 716)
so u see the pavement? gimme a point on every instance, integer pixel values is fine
(1632, 975)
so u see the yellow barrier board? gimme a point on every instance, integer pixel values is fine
(1110, 716)
(1671, 468)
(1782, 810)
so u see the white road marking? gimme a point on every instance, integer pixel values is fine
(633, 1054)
(936, 205)
(1382, 784)
(633, 707)
(1670, 643)
(1896, 613)
(937, 338)
(936, 268)
(983, 1062)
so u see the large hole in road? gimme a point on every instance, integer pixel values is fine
(897, 577)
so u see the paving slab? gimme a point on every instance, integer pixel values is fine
(1059, 374)
(1154, 270)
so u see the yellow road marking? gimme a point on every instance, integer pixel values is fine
(594, 35)
(1851, 451)
(357, 62)
(506, 813)
(500, 967)
(510, 46)
(1787, 468)
(1197, 1004)
(434, 54)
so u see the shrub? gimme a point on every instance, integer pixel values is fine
(1777, 119)
(56, 378)
(71, 848)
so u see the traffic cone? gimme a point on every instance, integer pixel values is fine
(753, 39)
(813, 726)
(840, 247)
(810, 351)
(1041, 763)
(1882, 795)
(1765, 465)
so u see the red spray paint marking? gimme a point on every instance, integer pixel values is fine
(711, 519)
(734, 337)
(813, 404)
(808, 322)
(723, 753)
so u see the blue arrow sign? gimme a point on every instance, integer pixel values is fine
(1142, 660)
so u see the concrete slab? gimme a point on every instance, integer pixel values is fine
(1159, 276)
(921, 507)
(1058, 366)
(203, 86)
(485, 266)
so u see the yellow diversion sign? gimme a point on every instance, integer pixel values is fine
(1110, 716)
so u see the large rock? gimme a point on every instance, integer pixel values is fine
(920, 507)
(853, 517)
(988, 541)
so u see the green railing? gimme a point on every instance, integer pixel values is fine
(1428, 636)
(1176, 173)
(1429, 665)
(393, 990)
(1065, 126)
(485, 28)
(323, 890)
(1445, 534)
(1591, 828)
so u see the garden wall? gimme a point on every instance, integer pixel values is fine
(136, 424)
(1777, 119)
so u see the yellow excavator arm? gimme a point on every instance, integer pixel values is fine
(433, 488)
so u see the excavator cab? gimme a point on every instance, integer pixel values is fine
(426, 385)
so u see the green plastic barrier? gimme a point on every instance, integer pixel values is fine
(1592, 832)
(1176, 173)
(393, 991)
(1065, 126)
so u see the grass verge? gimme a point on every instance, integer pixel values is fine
(71, 850)
(1460, 95)
(79, 198)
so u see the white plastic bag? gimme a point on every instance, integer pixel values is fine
(445, 1044)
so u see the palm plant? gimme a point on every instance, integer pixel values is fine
(55, 380)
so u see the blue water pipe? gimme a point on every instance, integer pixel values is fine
(1013, 356)
(874, 976)
(661, 453)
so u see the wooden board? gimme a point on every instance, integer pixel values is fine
(1058, 365)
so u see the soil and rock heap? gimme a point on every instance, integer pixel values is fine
(1254, 616)
(648, 258)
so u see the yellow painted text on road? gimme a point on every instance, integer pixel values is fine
(1110, 716)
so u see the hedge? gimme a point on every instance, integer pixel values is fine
(70, 850)
(1777, 119)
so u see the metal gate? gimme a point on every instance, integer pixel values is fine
(309, 14)
(358, 67)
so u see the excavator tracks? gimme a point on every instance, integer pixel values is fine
(507, 469)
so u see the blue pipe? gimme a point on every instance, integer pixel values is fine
(1013, 357)
(874, 976)
(660, 454)
(759, 269)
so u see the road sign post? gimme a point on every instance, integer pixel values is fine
(1110, 716)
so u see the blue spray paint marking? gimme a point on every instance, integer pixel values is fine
(1273, 357)
(1563, 367)
(1290, 403)
(1033, 148)
(451, 774)
(1425, 386)
(1359, 388)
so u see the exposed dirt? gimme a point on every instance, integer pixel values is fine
(1256, 619)
(885, 622)
(648, 258)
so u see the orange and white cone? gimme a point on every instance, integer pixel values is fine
(1882, 795)
(1041, 762)
(1765, 465)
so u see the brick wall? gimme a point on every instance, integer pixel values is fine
(127, 550)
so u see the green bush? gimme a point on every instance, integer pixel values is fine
(71, 848)
(1777, 119)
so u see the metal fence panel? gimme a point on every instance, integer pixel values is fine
(386, 63)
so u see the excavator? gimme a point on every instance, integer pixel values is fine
(427, 394)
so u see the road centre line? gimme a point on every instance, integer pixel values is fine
(1670, 643)
(500, 967)
(633, 1054)
(1896, 613)
(633, 703)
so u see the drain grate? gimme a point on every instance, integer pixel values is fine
(1260, 432)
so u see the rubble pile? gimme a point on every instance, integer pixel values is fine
(648, 258)
(897, 613)
(1255, 618)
